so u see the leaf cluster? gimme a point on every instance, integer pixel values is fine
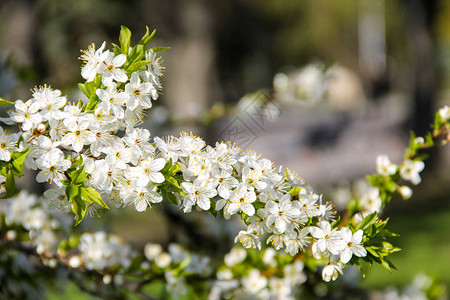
(80, 195)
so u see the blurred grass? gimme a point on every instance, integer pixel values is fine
(425, 242)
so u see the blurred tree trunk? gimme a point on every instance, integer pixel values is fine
(190, 64)
(420, 17)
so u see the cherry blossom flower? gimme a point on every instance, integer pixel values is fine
(384, 166)
(7, 143)
(26, 114)
(94, 61)
(199, 192)
(52, 167)
(353, 244)
(137, 93)
(281, 214)
(331, 272)
(112, 70)
(326, 239)
(409, 170)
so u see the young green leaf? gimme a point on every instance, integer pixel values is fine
(72, 192)
(295, 191)
(167, 167)
(367, 221)
(168, 196)
(159, 49)
(174, 169)
(125, 39)
(136, 66)
(3, 168)
(79, 208)
(83, 89)
(10, 186)
(17, 160)
(78, 176)
(5, 102)
(89, 195)
(147, 36)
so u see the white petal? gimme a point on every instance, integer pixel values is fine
(346, 234)
(346, 255)
(41, 177)
(357, 237)
(224, 192)
(158, 164)
(119, 75)
(233, 208)
(119, 60)
(248, 209)
(157, 177)
(141, 205)
(204, 203)
(359, 250)
(281, 225)
(316, 232)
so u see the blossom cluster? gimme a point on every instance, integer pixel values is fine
(383, 183)
(80, 148)
(28, 220)
(42, 224)
(94, 154)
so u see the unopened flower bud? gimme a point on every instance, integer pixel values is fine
(405, 192)
(40, 128)
(52, 263)
(74, 262)
(163, 260)
(151, 251)
(11, 235)
(107, 278)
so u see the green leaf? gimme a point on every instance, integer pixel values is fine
(90, 88)
(336, 223)
(5, 102)
(125, 39)
(78, 176)
(3, 168)
(174, 169)
(70, 244)
(212, 208)
(83, 89)
(117, 50)
(173, 182)
(79, 208)
(72, 191)
(10, 186)
(429, 139)
(387, 264)
(147, 36)
(168, 196)
(295, 191)
(386, 234)
(159, 49)
(369, 220)
(167, 167)
(372, 251)
(136, 54)
(89, 194)
(17, 159)
(183, 264)
(78, 161)
(136, 66)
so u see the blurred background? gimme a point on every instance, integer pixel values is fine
(321, 87)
